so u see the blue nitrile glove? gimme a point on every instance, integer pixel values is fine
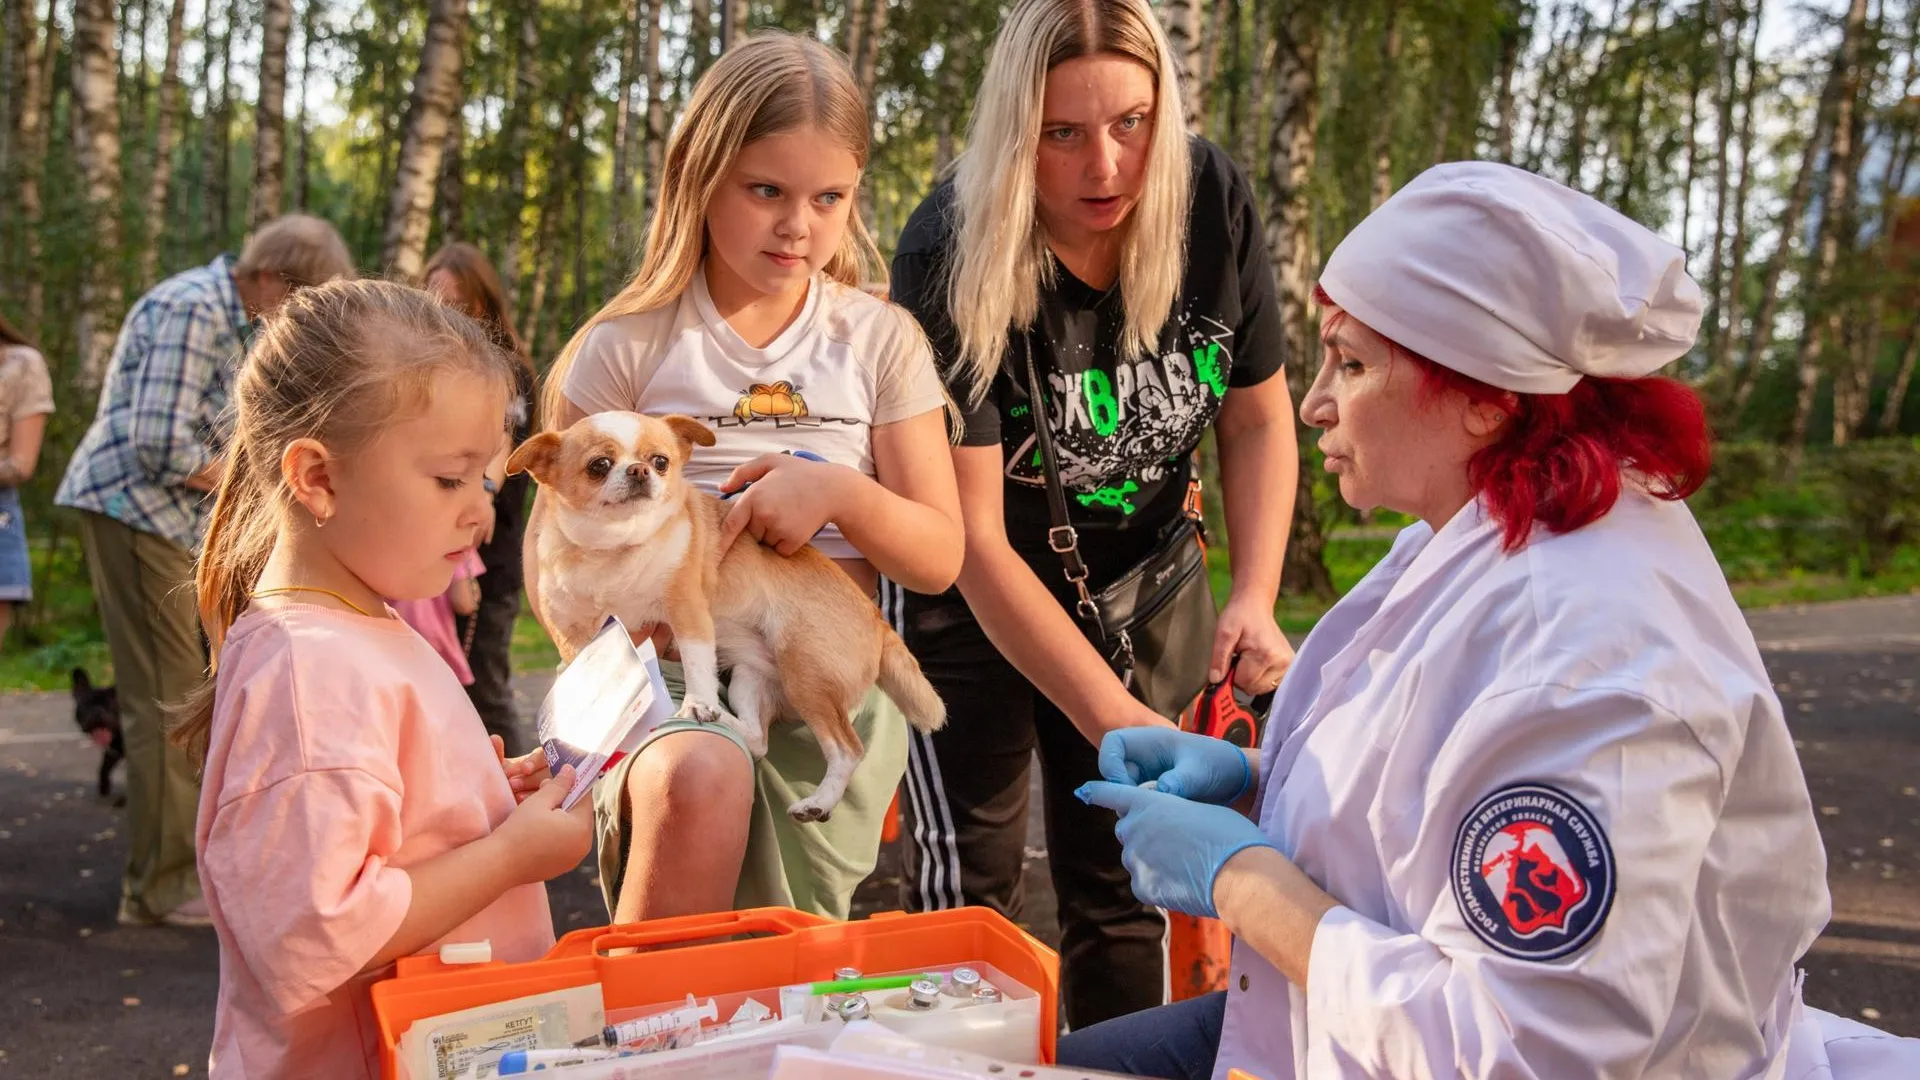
(1173, 847)
(1178, 762)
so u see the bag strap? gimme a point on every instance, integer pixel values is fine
(1062, 537)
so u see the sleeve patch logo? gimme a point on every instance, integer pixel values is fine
(1533, 872)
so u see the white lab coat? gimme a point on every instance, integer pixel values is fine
(1611, 665)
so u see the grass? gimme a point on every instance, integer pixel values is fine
(63, 631)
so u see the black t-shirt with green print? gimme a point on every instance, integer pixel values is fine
(1124, 429)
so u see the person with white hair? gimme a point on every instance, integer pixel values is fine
(1527, 805)
(141, 478)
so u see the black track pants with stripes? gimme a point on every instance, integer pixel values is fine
(966, 810)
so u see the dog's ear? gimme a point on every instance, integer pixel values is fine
(692, 432)
(82, 686)
(535, 456)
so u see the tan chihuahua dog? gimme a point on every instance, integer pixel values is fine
(623, 533)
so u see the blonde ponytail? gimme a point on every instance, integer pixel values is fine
(240, 535)
(336, 364)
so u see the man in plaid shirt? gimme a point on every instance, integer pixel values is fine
(141, 478)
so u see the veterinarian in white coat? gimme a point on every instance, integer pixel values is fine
(1527, 805)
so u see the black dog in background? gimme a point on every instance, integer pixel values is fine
(97, 711)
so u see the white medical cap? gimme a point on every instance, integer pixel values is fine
(1515, 280)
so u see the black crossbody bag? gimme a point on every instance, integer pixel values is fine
(1155, 624)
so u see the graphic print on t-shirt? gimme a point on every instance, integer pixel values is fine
(1122, 427)
(779, 403)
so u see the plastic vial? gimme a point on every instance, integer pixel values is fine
(923, 994)
(854, 1007)
(986, 994)
(963, 982)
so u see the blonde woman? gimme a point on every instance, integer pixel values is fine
(746, 313)
(1085, 229)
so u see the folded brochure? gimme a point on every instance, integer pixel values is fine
(602, 706)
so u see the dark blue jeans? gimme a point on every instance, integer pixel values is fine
(1173, 1042)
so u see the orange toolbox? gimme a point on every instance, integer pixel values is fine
(721, 953)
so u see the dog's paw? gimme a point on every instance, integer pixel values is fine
(811, 808)
(702, 712)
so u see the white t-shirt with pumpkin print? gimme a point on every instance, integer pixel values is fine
(849, 363)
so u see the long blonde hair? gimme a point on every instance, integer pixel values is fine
(336, 363)
(1001, 260)
(770, 83)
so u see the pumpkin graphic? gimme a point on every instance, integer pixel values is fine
(770, 400)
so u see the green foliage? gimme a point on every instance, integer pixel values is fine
(1878, 486)
(1852, 511)
(1617, 100)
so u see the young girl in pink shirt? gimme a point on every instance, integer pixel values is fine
(353, 810)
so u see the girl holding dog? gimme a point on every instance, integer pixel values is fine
(747, 315)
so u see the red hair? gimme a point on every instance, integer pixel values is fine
(1558, 463)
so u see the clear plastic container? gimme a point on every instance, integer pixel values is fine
(1008, 1029)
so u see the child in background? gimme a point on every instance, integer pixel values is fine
(433, 618)
(353, 810)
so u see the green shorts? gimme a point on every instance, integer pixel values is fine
(813, 867)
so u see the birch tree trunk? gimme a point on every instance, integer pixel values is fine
(868, 23)
(429, 113)
(630, 33)
(854, 27)
(655, 136)
(34, 75)
(166, 136)
(733, 23)
(449, 202)
(872, 24)
(552, 207)
(1820, 325)
(303, 134)
(1851, 371)
(270, 133)
(700, 37)
(1513, 35)
(1726, 83)
(1734, 293)
(9, 107)
(1893, 185)
(1212, 38)
(1760, 339)
(214, 161)
(1902, 379)
(1384, 112)
(96, 123)
(1294, 77)
(526, 97)
(1184, 33)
